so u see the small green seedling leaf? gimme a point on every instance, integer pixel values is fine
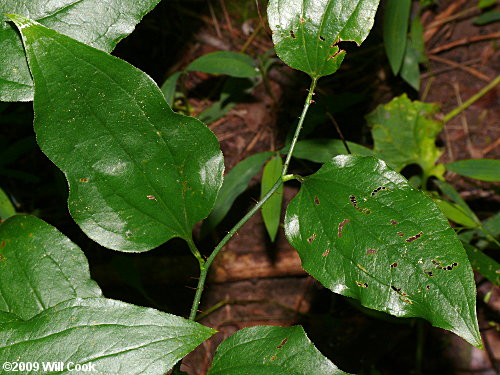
(306, 33)
(417, 38)
(482, 263)
(41, 267)
(410, 71)
(6, 208)
(138, 173)
(268, 350)
(449, 191)
(396, 16)
(94, 22)
(456, 213)
(487, 17)
(364, 232)
(235, 183)
(486, 3)
(169, 86)
(230, 63)
(271, 210)
(480, 169)
(404, 133)
(108, 336)
(321, 150)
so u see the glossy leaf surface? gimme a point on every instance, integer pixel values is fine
(480, 169)
(404, 133)
(115, 337)
(306, 33)
(268, 350)
(39, 267)
(271, 210)
(230, 63)
(235, 183)
(101, 24)
(6, 208)
(364, 232)
(139, 174)
(321, 150)
(396, 17)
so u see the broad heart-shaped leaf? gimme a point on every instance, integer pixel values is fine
(268, 350)
(139, 174)
(101, 24)
(111, 336)
(306, 32)
(404, 133)
(39, 267)
(364, 232)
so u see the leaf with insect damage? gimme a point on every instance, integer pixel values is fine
(306, 33)
(364, 232)
(268, 350)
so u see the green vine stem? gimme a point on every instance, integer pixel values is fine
(205, 265)
(471, 100)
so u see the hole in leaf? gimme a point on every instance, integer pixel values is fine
(428, 273)
(362, 285)
(394, 265)
(321, 38)
(394, 222)
(312, 238)
(397, 290)
(415, 237)
(292, 34)
(428, 287)
(353, 200)
(316, 201)
(375, 191)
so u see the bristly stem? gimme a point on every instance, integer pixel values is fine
(309, 101)
(205, 265)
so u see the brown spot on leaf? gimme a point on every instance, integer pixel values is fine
(353, 200)
(428, 273)
(292, 34)
(394, 265)
(362, 285)
(2, 245)
(428, 287)
(273, 358)
(401, 234)
(150, 197)
(341, 227)
(371, 251)
(282, 343)
(316, 201)
(327, 251)
(83, 180)
(394, 222)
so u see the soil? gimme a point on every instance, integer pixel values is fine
(262, 283)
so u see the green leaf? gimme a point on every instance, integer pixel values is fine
(41, 267)
(139, 174)
(306, 33)
(321, 150)
(6, 317)
(169, 86)
(483, 264)
(364, 232)
(410, 71)
(486, 3)
(268, 350)
(480, 169)
(230, 63)
(6, 208)
(404, 133)
(449, 191)
(271, 210)
(396, 15)
(417, 38)
(235, 183)
(456, 213)
(112, 336)
(487, 17)
(94, 22)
